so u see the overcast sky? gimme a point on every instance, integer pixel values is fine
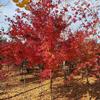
(10, 8)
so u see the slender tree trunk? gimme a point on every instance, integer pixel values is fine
(41, 89)
(8, 78)
(82, 75)
(51, 83)
(24, 81)
(64, 71)
(87, 76)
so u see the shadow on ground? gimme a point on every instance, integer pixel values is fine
(75, 91)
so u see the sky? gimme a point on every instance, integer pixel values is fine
(10, 7)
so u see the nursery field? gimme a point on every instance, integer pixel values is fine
(50, 50)
(32, 88)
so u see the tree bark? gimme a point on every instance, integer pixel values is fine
(51, 83)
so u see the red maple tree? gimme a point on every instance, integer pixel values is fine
(36, 38)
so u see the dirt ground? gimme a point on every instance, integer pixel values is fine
(33, 89)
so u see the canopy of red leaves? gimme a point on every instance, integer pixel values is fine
(36, 39)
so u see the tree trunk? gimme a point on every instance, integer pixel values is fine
(51, 83)
(87, 76)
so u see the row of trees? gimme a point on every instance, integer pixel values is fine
(36, 39)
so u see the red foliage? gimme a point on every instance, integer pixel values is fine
(45, 74)
(38, 40)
